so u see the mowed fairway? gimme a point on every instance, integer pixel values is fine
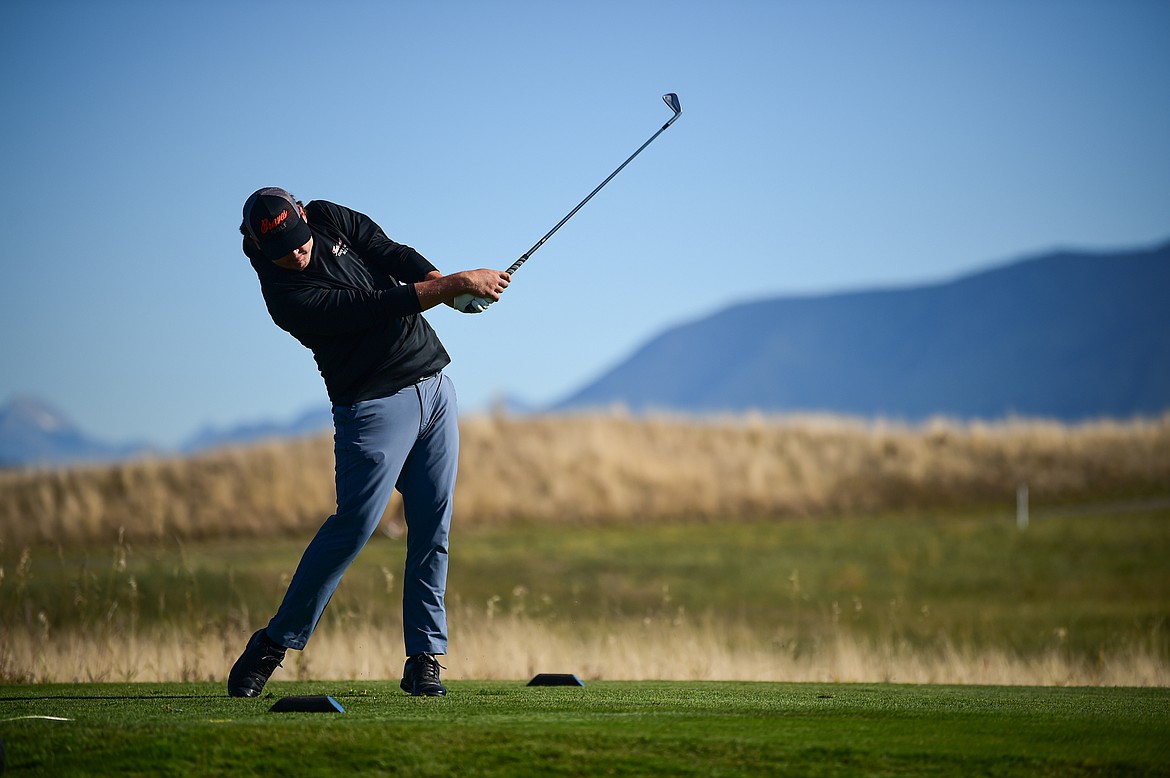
(606, 728)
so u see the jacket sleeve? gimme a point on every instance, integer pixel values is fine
(372, 244)
(325, 311)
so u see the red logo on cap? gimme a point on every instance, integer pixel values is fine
(271, 224)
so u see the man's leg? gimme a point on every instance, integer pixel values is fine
(372, 441)
(427, 484)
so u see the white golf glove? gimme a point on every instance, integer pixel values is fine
(466, 303)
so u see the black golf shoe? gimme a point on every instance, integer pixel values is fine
(420, 676)
(251, 671)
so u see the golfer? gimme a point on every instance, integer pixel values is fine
(333, 280)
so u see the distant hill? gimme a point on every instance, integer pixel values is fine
(1068, 335)
(34, 433)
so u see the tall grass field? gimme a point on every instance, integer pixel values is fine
(611, 469)
(944, 597)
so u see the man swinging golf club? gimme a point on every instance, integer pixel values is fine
(332, 279)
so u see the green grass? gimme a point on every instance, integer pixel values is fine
(975, 579)
(1082, 585)
(613, 728)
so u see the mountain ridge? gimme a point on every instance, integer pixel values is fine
(1022, 338)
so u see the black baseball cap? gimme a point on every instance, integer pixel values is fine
(273, 219)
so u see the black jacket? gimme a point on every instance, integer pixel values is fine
(354, 306)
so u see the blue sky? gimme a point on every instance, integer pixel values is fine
(823, 146)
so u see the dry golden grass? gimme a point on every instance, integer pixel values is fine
(611, 467)
(514, 647)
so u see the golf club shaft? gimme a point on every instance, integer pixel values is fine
(671, 100)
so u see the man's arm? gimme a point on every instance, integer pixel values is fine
(437, 288)
(338, 311)
(406, 265)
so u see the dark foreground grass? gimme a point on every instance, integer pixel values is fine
(606, 728)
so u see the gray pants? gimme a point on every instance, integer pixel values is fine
(408, 441)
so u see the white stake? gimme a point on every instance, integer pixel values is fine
(1022, 507)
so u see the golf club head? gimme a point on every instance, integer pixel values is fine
(672, 102)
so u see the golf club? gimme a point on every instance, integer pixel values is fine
(469, 304)
(672, 101)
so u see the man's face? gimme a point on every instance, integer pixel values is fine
(298, 259)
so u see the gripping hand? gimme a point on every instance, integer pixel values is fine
(469, 303)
